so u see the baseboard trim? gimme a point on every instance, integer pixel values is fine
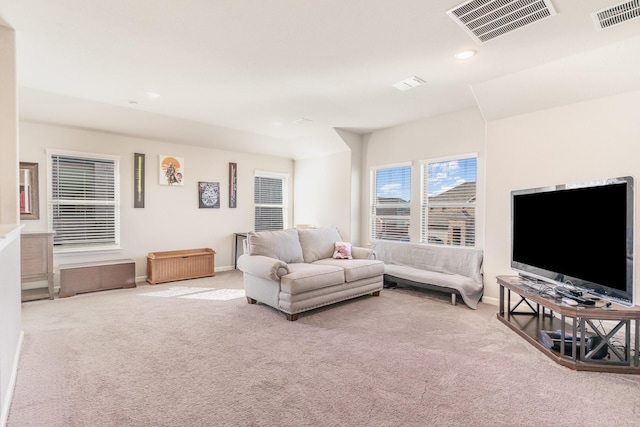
(142, 279)
(4, 416)
(490, 301)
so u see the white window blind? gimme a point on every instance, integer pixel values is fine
(84, 202)
(391, 203)
(270, 202)
(448, 208)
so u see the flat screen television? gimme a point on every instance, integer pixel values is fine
(579, 234)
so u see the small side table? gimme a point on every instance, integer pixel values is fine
(237, 244)
(36, 264)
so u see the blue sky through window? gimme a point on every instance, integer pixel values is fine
(394, 183)
(443, 176)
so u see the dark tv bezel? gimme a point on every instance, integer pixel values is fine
(626, 297)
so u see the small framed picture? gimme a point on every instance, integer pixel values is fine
(172, 171)
(208, 195)
(233, 185)
(138, 180)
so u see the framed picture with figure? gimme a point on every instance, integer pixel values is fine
(172, 171)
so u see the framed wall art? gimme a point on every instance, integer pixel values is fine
(172, 171)
(29, 197)
(208, 194)
(233, 185)
(138, 180)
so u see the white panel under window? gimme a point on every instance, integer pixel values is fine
(390, 203)
(270, 202)
(448, 207)
(84, 201)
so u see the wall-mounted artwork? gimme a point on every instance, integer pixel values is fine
(233, 185)
(29, 198)
(172, 171)
(138, 180)
(208, 194)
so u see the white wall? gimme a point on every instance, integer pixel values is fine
(10, 308)
(171, 219)
(452, 134)
(323, 192)
(577, 142)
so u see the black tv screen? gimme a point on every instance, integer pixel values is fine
(580, 234)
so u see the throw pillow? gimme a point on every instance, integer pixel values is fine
(280, 244)
(318, 243)
(343, 251)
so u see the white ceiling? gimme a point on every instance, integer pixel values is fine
(227, 69)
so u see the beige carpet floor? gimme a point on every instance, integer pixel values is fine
(194, 353)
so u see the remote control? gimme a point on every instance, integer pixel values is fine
(563, 293)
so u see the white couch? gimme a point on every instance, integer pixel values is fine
(456, 270)
(295, 270)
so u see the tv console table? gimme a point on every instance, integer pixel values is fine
(543, 312)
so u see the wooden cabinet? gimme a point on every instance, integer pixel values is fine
(36, 264)
(180, 265)
(96, 276)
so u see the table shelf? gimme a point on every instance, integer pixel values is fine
(531, 312)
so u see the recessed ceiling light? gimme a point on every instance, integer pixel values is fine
(409, 83)
(153, 95)
(276, 124)
(303, 121)
(465, 54)
(132, 102)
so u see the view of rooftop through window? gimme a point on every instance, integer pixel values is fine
(443, 176)
(448, 202)
(394, 184)
(391, 209)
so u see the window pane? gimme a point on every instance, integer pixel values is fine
(83, 179)
(393, 185)
(268, 190)
(391, 211)
(269, 218)
(269, 203)
(84, 225)
(448, 207)
(84, 202)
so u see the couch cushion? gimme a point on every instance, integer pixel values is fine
(280, 244)
(355, 269)
(318, 243)
(307, 277)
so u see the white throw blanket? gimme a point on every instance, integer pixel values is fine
(451, 267)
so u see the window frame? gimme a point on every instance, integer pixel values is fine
(284, 206)
(425, 205)
(115, 202)
(373, 206)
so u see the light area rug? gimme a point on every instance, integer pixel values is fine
(405, 358)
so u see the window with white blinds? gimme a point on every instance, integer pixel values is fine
(270, 201)
(84, 201)
(448, 206)
(390, 203)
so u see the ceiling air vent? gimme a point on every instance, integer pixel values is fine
(616, 14)
(484, 20)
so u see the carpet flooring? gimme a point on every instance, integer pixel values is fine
(194, 353)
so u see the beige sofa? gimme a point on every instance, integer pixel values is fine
(295, 270)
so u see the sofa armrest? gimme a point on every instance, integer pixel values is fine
(263, 266)
(363, 253)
